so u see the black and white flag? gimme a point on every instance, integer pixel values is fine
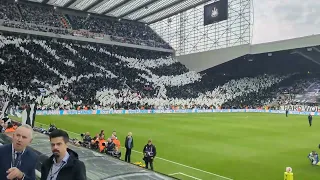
(29, 115)
(4, 109)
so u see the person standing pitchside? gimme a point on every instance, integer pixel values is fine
(17, 161)
(150, 152)
(310, 120)
(64, 163)
(129, 146)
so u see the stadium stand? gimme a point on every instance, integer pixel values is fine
(117, 77)
(112, 75)
(47, 19)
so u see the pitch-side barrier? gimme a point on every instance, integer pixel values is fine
(91, 112)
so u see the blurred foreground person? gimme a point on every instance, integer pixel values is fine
(64, 163)
(17, 161)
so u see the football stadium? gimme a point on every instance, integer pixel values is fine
(154, 90)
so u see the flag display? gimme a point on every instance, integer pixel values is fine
(4, 109)
(29, 115)
(215, 12)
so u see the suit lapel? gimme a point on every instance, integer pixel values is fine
(7, 163)
(24, 160)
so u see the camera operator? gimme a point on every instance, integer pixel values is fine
(101, 133)
(10, 127)
(95, 142)
(150, 153)
(101, 143)
(110, 146)
(114, 134)
(86, 140)
(116, 153)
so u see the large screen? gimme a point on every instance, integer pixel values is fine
(215, 12)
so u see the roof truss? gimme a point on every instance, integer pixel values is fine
(146, 11)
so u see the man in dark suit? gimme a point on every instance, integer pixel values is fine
(129, 146)
(17, 161)
(64, 163)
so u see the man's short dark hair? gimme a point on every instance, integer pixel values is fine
(59, 133)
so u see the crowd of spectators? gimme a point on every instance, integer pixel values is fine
(47, 19)
(297, 88)
(9, 11)
(77, 75)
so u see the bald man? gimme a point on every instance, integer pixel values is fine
(17, 161)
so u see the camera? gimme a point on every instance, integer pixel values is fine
(52, 127)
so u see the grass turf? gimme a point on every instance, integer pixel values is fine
(241, 146)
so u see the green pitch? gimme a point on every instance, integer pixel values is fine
(240, 146)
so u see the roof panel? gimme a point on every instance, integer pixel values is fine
(82, 4)
(38, 1)
(146, 11)
(128, 7)
(151, 8)
(172, 9)
(105, 5)
(58, 2)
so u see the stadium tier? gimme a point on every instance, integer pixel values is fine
(39, 17)
(71, 73)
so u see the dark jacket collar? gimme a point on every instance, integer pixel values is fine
(71, 161)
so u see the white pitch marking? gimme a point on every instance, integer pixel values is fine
(217, 175)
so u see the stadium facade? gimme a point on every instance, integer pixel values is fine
(205, 60)
(187, 34)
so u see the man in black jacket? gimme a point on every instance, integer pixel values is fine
(310, 120)
(64, 163)
(150, 153)
(129, 146)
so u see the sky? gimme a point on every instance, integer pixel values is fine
(285, 19)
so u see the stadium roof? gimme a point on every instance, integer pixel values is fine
(146, 11)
